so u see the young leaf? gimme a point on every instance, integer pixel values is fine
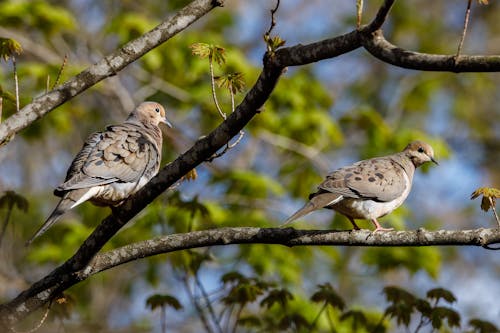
(233, 82)
(490, 194)
(9, 48)
(214, 52)
(273, 43)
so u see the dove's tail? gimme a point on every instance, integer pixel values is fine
(68, 201)
(317, 201)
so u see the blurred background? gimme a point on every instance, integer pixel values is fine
(320, 117)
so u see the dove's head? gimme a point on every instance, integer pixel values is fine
(419, 153)
(150, 113)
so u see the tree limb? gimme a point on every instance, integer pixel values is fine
(379, 47)
(288, 237)
(106, 67)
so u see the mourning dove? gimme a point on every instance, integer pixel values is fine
(371, 188)
(113, 164)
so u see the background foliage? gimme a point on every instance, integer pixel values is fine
(319, 117)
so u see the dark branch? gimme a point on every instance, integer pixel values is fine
(379, 47)
(380, 18)
(104, 68)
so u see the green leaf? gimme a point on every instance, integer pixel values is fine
(273, 43)
(490, 194)
(482, 326)
(11, 198)
(233, 82)
(233, 277)
(438, 293)
(280, 296)
(327, 294)
(250, 321)
(210, 51)
(295, 320)
(441, 313)
(158, 300)
(9, 48)
(397, 295)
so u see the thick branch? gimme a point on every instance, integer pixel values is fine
(379, 47)
(288, 237)
(104, 68)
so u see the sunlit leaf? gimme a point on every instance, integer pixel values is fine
(9, 48)
(213, 52)
(232, 81)
(273, 43)
(490, 194)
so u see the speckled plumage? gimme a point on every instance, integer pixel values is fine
(371, 188)
(113, 164)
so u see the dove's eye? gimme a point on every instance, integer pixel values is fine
(420, 150)
(157, 110)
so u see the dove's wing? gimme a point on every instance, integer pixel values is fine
(122, 153)
(379, 179)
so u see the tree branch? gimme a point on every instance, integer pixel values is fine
(106, 67)
(379, 47)
(288, 237)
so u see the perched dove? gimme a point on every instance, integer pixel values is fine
(113, 164)
(371, 188)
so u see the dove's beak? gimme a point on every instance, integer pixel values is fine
(166, 122)
(434, 161)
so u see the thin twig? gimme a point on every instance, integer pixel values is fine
(65, 60)
(238, 315)
(231, 93)
(16, 82)
(464, 31)
(197, 306)
(315, 321)
(6, 221)
(1, 108)
(207, 302)
(214, 95)
(273, 19)
(494, 211)
(37, 327)
(359, 12)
